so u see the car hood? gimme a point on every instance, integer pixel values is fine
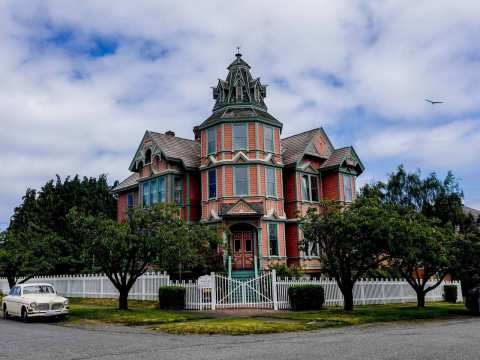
(44, 298)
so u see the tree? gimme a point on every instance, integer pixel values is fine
(467, 255)
(352, 241)
(38, 239)
(419, 250)
(430, 196)
(153, 236)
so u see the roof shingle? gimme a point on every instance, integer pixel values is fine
(127, 183)
(295, 145)
(188, 151)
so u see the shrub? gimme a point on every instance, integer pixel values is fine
(473, 301)
(450, 293)
(306, 297)
(171, 297)
(283, 271)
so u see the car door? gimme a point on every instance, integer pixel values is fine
(9, 300)
(15, 301)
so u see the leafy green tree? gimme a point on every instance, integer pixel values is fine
(352, 241)
(39, 240)
(420, 250)
(430, 196)
(154, 236)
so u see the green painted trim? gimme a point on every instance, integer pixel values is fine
(260, 246)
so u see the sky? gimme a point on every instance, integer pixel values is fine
(81, 81)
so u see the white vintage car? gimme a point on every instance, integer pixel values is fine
(34, 300)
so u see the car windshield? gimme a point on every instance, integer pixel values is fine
(38, 289)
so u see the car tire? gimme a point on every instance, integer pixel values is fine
(25, 317)
(6, 316)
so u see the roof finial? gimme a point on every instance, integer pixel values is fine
(238, 52)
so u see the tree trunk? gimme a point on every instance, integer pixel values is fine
(123, 299)
(347, 299)
(11, 281)
(420, 299)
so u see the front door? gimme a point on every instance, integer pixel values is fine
(242, 250)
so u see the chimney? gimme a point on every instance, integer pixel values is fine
(170, 133)
(196, 132)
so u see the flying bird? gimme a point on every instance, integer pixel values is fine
(433, 102)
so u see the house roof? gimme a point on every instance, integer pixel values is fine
(475, 212)
(341, 155)
(295, 146)
(176, 148)
(233, 114)
(127, 183)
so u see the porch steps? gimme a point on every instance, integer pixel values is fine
(243, 274)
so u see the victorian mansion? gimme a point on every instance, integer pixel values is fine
(239, 173)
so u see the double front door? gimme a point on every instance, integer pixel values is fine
(242, 249)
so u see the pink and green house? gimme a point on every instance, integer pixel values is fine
(238, 173)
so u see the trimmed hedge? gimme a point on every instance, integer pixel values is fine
(450, 293)
(473, 301)
(306, 297)
(171, 297)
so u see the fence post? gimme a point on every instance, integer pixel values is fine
(214, 292)
(83, 286)
(274, 289)
(362, 284)
(383, 292)
(143, 287)
(101, 286)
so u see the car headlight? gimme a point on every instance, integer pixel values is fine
(34, 305)
(65, 303)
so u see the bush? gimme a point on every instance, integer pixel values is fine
(450, 293)
(283, 271)
(306, 297)
(171, 297)
(473, 301)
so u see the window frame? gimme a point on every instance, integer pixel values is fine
(130, 196)
(267, 181)
(308, 247)
(309, 188)
(146, 194)
(235, 187)
(209, 180)
(277, 247)
(272, 150)
(212, 139)
(234, 145)
(175, 191)
(350, 182)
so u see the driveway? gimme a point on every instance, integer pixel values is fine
(448, 339)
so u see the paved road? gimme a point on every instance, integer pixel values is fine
(453, 339)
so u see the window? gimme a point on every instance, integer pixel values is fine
(273, 239)
(212, 184)
(271, 183)
(161, 189)
(239, 136)
(211, 141)
(347, 188)
(268, 138)
(309, 188)
(312, 249)
(148, 156)
(146, 194)
(153, 191)
(130, 200)
(178, 190)
(241, 180)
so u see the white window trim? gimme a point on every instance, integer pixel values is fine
(309, 176)
(268, 240)
(214, 130)
(275, 195)
(235, 180)
(233, 136)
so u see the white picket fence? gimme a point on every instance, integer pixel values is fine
(99, 286)
(215, 291)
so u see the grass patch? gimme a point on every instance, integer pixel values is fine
(139, 313)
(377, 313)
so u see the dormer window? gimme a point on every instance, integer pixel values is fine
(148, 156)
(140, 166)
(238, 93)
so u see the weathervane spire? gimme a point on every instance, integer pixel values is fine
(238, 52)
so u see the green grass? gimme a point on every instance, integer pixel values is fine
(139, 313)
(185, 322)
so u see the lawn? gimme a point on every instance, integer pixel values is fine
(140, 313)
(185, 322)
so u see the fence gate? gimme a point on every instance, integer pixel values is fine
(252, 293)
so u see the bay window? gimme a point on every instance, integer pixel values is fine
(272, 239)
(271, 183)
(211, 141)
(348, 188)
(241, 180)
(309, 187)
(239, 136)
(268, 139)
(212, 183)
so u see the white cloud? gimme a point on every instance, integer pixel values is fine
(65, 112)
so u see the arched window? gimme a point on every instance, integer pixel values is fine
(148, 156)
(140, 166)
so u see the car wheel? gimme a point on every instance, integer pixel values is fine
(25, 318)
(6, 316)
